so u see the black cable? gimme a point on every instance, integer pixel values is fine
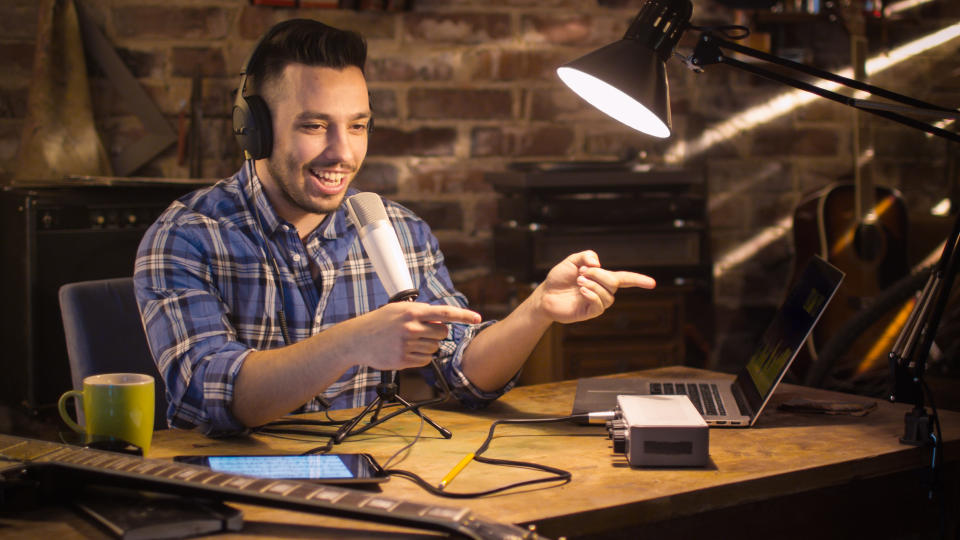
(557, 475)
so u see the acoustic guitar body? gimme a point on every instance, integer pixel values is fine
(871, 250)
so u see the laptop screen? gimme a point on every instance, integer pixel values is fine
(788, 330)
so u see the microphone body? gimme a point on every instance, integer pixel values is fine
(380, 241)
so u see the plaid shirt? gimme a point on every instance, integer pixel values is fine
(208, 297)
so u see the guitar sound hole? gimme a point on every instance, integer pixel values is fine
(869, 242)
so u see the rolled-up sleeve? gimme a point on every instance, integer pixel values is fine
(188, 329)
(437, 288)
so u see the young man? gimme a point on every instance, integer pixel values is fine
(216, 270)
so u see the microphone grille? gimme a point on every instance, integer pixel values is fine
(366, 207)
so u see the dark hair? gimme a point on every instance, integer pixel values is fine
(304, 41)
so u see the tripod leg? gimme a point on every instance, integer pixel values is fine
(416, 410)
(376, 413)
(347, 429)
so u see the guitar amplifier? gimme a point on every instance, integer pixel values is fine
(55, 234)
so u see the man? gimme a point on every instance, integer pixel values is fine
(219, 269)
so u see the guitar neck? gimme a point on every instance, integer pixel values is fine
(85, 464)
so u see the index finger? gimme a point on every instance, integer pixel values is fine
(633, 279)
(448, 314)
(617, 279)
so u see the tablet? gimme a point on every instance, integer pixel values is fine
(324, 468)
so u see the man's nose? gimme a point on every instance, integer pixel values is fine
(338, 146)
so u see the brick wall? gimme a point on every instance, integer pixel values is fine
(464, 87)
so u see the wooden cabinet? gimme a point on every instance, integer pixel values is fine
(651, 222)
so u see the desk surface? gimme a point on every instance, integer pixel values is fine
(785, 454)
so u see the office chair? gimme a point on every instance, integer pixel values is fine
(101, 323)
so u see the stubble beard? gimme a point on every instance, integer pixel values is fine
(289, 178)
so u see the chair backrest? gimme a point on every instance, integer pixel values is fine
(101, 323)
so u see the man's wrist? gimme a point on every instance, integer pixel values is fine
(534, 311)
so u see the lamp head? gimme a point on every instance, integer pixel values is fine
(627, 79)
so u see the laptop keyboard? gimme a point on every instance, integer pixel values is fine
(705, 397)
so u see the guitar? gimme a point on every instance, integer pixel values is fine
(72, 465)
(861, 229)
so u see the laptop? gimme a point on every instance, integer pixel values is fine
(740, 403)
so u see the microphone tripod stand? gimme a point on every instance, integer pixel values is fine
(387, 392)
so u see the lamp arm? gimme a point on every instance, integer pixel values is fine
(709, 50)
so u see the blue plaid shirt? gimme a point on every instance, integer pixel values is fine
(208, 297)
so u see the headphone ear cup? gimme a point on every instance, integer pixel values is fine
(252, 126)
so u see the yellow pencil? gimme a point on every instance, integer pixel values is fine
(455, 470)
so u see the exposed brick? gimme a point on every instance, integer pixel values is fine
(769, 209)
(439, 215)
(172, 22)
(386, 141)
(378, 177)
(456, 27)
(429, 67)
(728, 211)
(749, 176)
(463, 104)
(430, 5)
(899, 142)
(572, 29)
(384, 103)
(477, 64)
(536, 65)
(560, 104)
(254, 21)
(485, 215)
(774, 141)
(515, 142)
(446, 178)
(189, 61)
(142, 64)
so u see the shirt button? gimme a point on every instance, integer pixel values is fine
(296, 257)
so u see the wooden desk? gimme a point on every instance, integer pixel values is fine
(792, 476)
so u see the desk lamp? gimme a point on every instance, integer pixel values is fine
(627, 80)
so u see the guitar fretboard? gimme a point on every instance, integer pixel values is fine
(182, 478)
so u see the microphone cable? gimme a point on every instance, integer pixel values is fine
(556, 474)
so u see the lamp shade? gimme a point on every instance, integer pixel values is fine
(627, 81)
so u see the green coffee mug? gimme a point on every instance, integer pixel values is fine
(116, 406)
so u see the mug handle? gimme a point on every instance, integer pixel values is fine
(62, 406)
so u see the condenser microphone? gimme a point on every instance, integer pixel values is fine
(380, 241)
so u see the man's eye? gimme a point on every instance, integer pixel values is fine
(313, 127)
(359, 127)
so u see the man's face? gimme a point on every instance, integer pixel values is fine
(320, 118)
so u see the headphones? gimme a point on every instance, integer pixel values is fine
(251, 117)
(252, 124)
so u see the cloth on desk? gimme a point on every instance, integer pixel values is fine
(824, 406)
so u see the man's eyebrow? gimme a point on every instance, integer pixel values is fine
(307, 115)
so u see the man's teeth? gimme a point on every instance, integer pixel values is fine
(329, 177)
